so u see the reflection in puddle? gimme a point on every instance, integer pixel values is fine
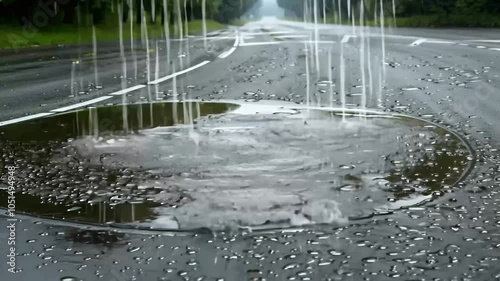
(222, 165)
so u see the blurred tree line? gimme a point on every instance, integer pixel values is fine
(87, 12)
(404, 8)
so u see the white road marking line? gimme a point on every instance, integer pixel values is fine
(282, 32)
(260, 43)
(284, 42)
(216, 38)
(223, 54)
(495, 49)
(163, 79)
(484, 41)
(242, 39)
(26, 118)
(82, 104)
(418, 42)
(439, 42)
(291, 36)
(128, 90)
(313, 42)
(228, 53)
(346, 38)
(267, 33)
(236, 40)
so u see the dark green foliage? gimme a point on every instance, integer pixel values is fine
(414, 12)
(103, 11)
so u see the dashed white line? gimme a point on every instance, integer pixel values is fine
(26, 118)
(495, 49)
(128, 90)
(163, 79)
(82, 104)
(418, 42)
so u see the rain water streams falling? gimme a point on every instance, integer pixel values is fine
(186, 164)
(371, 66)
(316, 37)
(222, 165)
(124, 67)
(186, 19)
(362, 56)
(204, 19)
(94, 50)
(132, 48)
(180, 31)
(166, 31)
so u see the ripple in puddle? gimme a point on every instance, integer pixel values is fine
(261, 166)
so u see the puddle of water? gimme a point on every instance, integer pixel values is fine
(246, 165)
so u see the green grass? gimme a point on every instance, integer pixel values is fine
(13, 37)
(239, 22)
(455, 20)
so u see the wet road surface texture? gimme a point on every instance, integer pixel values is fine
(332, 222)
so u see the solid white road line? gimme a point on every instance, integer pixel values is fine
(26, 118)
(128, 90)
(163, 79)
(484, 41)
(261, 43)
(292, 36)
(346, 38)
(313, 42)
(82, 104)
(216, 38)
(439, 42)
(267, 33)
(495, 49)
(222, 55)
(418, 42)
(284, 42)
(228, 53)
(236, 40)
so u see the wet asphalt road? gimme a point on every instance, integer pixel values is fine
(451, 77)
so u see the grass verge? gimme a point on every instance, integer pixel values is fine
(14, 37)
(455, 20)
(239, 22)
(429, 21)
